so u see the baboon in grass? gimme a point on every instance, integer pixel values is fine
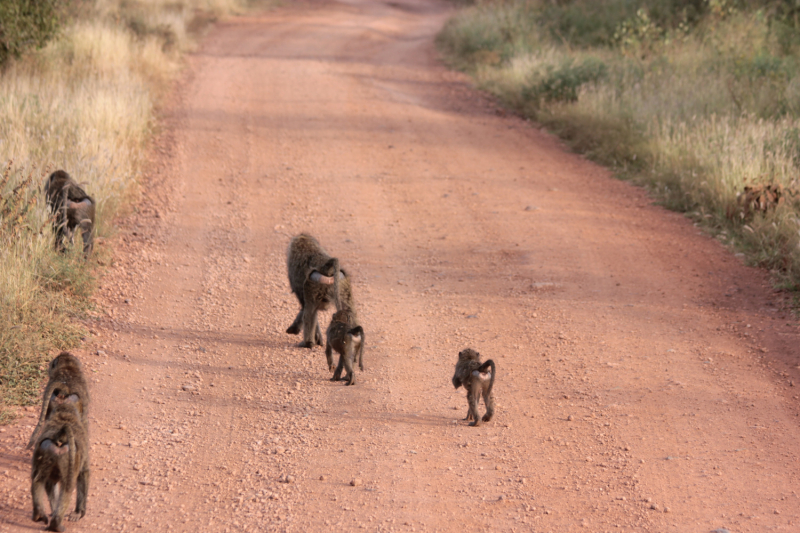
(73, 209)
(60, 464)
(316, 279)
(66, 384)
(478, 379)
(345, 336)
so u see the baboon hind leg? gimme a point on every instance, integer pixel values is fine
(350, 375)
(80, 500)
(39, 514)
(488, 399)
(60, 508)
(310, 326)
(474, 398)
(337, 374)
(318, 335)
(88, 242)
(329, 356)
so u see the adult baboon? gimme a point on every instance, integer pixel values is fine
(66, 384)
(60, 464)
(345, 336)
(316, 279)
(72, 207)
(473, 375)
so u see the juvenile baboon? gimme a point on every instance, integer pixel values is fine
(473, 374)
(66, 384)
(72, 207)
(316, 279)
(346, 337)
(60, 464)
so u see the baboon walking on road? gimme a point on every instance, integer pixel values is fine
(317, 280)
(66, 384)
(60, 464)
(73, 209)
(346, 337)
(473, 375)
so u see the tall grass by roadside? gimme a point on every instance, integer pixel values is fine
(700, 105)
(83, 103)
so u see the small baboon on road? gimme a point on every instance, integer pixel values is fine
(473, 375)
(346, 337)
(72, 207)
(316, 279)
(60, 464)
(66, 384)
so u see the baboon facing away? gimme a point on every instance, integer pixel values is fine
(473, 375)
(73, 209)
(316, 279)
(60, 464)
(66, 384)
(346, 337)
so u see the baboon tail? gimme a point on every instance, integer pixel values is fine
(489, 363)
(357, 331)
(336, 299)
(45, 402)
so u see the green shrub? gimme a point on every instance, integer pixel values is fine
(26, 24)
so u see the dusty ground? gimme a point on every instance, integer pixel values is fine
(645, 376)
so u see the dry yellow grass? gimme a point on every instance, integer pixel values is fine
(84, 103)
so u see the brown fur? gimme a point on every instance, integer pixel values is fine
(345, 336)
(60, 464)
(72, 207)
(306, 259)
(471, 373)
(66, 384)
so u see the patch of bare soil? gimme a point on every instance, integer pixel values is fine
(645, 377)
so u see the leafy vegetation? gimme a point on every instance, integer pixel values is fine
(698, 100)
(26, 24)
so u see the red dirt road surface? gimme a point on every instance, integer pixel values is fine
(647, 381)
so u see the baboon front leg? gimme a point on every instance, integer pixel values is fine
(294, 329)
(488, 399)
(80, 500)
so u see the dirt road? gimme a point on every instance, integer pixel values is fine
(646, 378)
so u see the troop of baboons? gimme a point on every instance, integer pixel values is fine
(60, 462)
(317, 279)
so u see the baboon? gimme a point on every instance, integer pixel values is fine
(60, 464)
(346, 337)
(471, 373)
(316, 280)
(66, 384)
(72, 207)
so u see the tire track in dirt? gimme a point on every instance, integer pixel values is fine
(644, 374)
